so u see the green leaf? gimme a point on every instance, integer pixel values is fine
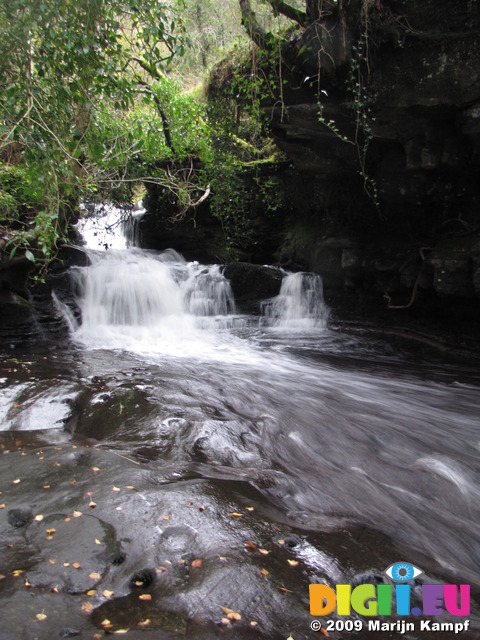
(29, 255)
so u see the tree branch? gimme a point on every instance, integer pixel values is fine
(249, 20)
(279, 6)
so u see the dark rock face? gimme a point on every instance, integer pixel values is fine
(422, 104)
(253, 283)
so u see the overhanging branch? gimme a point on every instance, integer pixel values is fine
(289, 12)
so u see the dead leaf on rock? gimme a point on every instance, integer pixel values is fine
(17, 572)
(293, 563)
(231, 614)
(225, 621)
(50, 532)
(250, 508)
(144, 623)
(251, 545)
(107, 593)
(197, 563)
(87, 607)
(235, 514)
(76, 565)
(91, 592)
(115, 488)
(283, 590)
(94, 575)
(41, 616)
(145, 596)
(2, 506)
(264, 572)
(38, 518)
(17, 481)
(97, 541)
(253, 623)
(77, 514)
(264, 552)
(121, 631)
(92, 504)
(95, 469)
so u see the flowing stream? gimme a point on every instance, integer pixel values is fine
(355, 453)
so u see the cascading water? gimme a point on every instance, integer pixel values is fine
(354, 452)
(148, 301)
(299, 305)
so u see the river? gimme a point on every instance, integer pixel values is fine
(223, 460)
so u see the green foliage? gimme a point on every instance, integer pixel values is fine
(60, 60)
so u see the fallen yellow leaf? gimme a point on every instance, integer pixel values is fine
(97, 541)
(225, 621)
(39, 518)
(292, 563)
(283, 590)
(253, 623)
(2, 506)
(67, 519)
(145, 596)
(18, 572)
(53, 561)
(107, 593)
(92, 592)
(235, 514)
(114, 488)
(197, 563)
(231, 614)
(92, 504)
(144, 623)
(2, 577)
(41, 616)
(27, 583)
(94, 575)
(121, 631)
(161, 569)
(250, 508)
(50, 532)
(66, 564)
(166, 517)
(87, 607)
(95, 469)
(251, 545)
(17, 481)
(77, 514)
(54, 589)
(106, 624)
(118, 508)
(264, 572)
(76, 565)
(264, 552)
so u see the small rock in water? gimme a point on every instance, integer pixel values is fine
(19, 517)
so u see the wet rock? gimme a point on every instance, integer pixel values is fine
(20, 517)
(368, 577)
(69, 633)
(252, 283)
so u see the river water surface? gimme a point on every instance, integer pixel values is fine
(221, 460)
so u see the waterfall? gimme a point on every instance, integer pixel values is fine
(299, 305)
(150, 301)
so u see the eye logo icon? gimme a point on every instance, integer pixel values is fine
(403, 572)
